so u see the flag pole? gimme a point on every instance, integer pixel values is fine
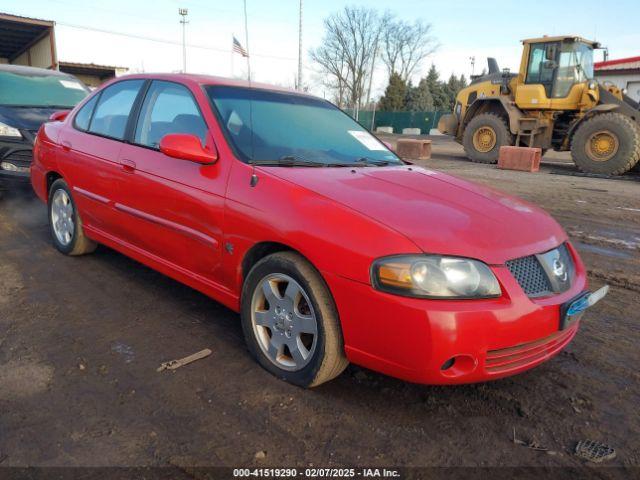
(246, 36)
(232, 52)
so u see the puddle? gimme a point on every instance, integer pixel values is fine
(609, 252)
(125, 350)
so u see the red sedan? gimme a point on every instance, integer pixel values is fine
(280, 206)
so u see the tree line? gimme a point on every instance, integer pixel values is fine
(429, 94)
(356, 39)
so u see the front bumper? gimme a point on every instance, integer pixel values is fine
(18, 155)
(413, 339)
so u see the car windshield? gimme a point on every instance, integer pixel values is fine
(264, 126)
(40, 90)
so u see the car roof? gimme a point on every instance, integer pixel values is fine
(190, 78)
(33, 71)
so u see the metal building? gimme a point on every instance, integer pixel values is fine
(32, 42)
(623, 72)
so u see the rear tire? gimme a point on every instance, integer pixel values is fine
(65, 224)
(483, 137)
(608, 143)
(298, 341)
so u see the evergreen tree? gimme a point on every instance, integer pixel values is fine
(419, 99)
(437, 89)
(395, 94)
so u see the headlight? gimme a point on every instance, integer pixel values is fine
(592, 85)
(7, 131)
(434, 276)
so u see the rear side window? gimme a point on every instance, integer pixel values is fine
(168, 108)
(83, 117)
(112, 112)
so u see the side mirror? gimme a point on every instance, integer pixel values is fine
(187, 147)
(59, 116)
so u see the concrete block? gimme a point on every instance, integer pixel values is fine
(411, 149)
(524, 159)
(384, 129)
(411, 131)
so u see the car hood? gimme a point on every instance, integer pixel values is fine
(26, 118)
(438, 212)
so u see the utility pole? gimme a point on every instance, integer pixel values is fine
(183, 12)
(300, 49)
(473, 64)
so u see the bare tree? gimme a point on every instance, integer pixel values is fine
(406, 45)
(347, 52)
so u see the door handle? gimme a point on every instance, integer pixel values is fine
(66, 145)
(128, 166)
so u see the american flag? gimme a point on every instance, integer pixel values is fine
(237, 47)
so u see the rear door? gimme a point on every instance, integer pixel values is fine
(90, 154)
(175, 207)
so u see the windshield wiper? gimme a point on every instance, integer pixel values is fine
(288, 161)
(369, 161)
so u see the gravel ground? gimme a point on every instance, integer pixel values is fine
(81, 338)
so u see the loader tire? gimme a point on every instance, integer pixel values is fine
(483, 137)
(608, 144)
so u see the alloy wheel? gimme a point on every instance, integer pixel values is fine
(62, 217)
(284, 322)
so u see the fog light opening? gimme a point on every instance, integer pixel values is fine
(458, 366)
(448, 364)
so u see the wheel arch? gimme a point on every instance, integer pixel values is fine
(259, 251)
(498, 106)
(50, 177)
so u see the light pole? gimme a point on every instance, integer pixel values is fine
(300, 49)
(183, 13)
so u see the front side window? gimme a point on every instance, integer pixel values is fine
(24, 87)
(265, 125)
(112, 112)
(168, 108)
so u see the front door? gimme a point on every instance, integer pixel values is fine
(176, 206)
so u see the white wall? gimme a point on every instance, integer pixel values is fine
(40, 54)
(630, 81)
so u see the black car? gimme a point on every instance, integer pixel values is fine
(28, 97)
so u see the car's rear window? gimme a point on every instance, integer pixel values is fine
(40, 90)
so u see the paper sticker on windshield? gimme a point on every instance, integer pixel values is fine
(68, 84)
(367, 140)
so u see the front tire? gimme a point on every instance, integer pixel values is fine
(64, 222)
(290, 321)
(608, 143)
(483, 137)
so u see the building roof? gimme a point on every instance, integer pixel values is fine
(631, 63)
(18, 33)
(90, 69)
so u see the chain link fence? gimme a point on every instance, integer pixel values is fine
(425, 121)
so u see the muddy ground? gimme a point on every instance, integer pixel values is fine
(81, 338)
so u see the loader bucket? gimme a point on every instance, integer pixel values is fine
(448, 124)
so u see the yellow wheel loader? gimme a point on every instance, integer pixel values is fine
(553, 102)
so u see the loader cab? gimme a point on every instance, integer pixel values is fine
(554, 72)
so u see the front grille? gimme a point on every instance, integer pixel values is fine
(530, 275)
(508, 359)
(20, 158)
